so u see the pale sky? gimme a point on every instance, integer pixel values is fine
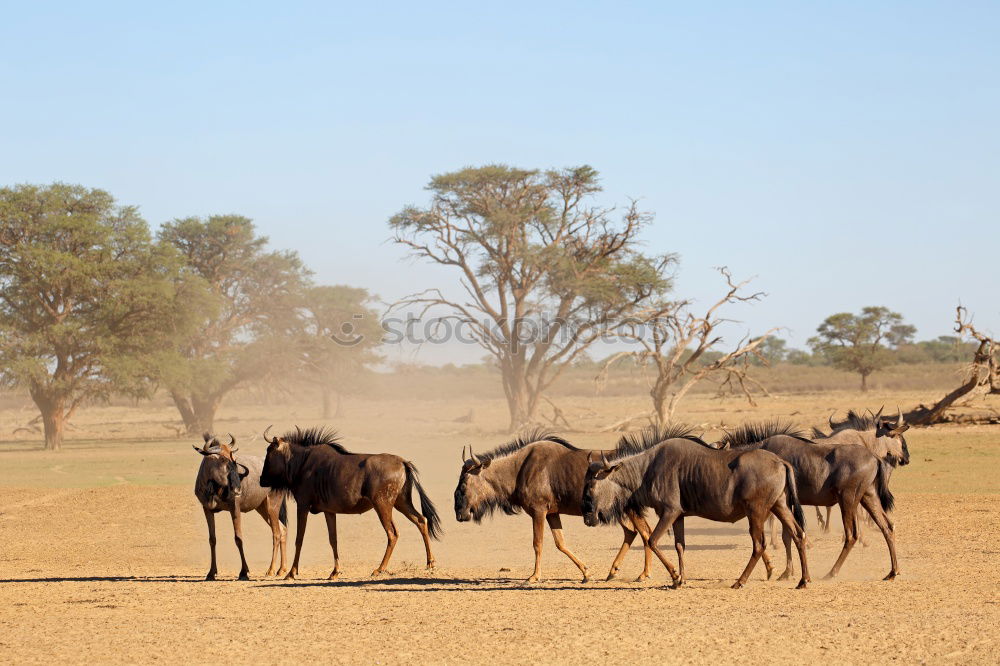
(847, 154)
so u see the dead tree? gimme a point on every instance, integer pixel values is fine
(674, 341)
(982, 377)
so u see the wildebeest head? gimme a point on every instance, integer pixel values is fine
(598, 498)
(474, 497)
(221, 475)
(275, 471)
(890, 443)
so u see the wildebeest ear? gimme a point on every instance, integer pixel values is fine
(483, 464)
(244, 473)
(896, 432)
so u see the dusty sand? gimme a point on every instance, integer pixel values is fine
(104, 548)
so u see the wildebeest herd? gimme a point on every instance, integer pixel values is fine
(759, 471)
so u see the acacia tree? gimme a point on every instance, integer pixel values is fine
(861, 343)
(683, 349)
(545, 273)
(87, 302)
(244, 336)
(339, 335)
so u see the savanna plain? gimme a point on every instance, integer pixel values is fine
(104, 551)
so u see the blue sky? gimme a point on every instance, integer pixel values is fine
(847, 154)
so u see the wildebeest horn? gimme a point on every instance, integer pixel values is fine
(463, 453)
(829, 420)
(879, 412)
(899, 417)
(201, 451)
(298, 432)
(206, 436)
(232, 442)
(265, 433)
(590, 457)
(472, 456)
(604, 459)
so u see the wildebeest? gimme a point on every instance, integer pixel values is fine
(541, 474)
(884, 438)
(227, 482)
(325, 477)
(678, 477)
(827, 473)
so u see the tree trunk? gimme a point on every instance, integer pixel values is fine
(197, 412)
(661, 414)
(864, 382)
(519, 399)
(53, 411)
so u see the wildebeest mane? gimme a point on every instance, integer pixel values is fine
(315, 436)
(642, 440)
(854, 421)
(749, 434)
(522, 440)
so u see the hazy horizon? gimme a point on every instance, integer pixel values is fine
(847, 156)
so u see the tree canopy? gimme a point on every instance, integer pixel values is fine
(242, 333)
(87, 302)
(861, 342)
(543, 270)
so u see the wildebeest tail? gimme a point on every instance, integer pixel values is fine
(283, 511)
(426, 505)
(792, 496)
(885, 497)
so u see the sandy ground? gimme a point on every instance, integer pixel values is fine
(103, 549)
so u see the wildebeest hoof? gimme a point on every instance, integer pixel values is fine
(611, 576)
(801, 585)
(431, 565)
(210, 576)
(333, 574)
(532, 579)
(244, 575)
(269, 573)
(737, 585)
(677, 584)
(281, 572)
(290, 576)
(891, 576)
(377, 573)
(787, 574)
(830, 576)
(642, 577)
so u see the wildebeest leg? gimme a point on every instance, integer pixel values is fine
(773, 524)
(537, 536)
(555, 524)
(270, 516)
(331, 528)
(627, 538)
(666, 520)
(790, 530)
(642, 527)
(786, 539)
(405, 506)
(826, 525)
(238, 535)
(874, 508)
(819, 519)
(679, 547)
(848, 514)
(301, 516)
(757, 537)
(384, 512)
(210, 519)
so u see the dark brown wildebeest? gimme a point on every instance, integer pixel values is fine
(227, 482)
(325, 477)
(884, 438)
(541, 474)
(827, 473)
(687, 477)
